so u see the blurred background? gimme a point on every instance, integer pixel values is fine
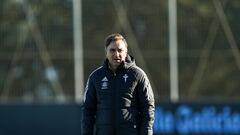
(188, 48)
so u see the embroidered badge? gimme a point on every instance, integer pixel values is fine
(125, 78)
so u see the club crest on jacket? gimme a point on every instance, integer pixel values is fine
(125, 78)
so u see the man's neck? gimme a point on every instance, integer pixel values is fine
(114, 69)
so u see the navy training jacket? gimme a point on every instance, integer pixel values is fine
(120, 103)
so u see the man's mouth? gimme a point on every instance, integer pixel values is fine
(118, 60)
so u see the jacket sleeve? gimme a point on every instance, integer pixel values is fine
(147, 106)
(89, 108)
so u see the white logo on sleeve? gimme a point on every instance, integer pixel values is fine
(125, 78)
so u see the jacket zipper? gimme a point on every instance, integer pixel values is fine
(115, 102)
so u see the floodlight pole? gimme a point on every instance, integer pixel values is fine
(173, 54)
(78, 50)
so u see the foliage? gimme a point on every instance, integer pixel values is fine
(205, 69)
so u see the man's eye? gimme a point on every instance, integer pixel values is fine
(112, 50)
(120, 50)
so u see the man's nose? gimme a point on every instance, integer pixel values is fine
(116, 53)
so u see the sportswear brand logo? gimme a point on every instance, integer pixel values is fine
(104, 83)
(125, 78)
(105, 79)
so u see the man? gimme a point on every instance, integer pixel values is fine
(118, 97)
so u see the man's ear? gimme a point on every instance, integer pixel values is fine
(105, 51)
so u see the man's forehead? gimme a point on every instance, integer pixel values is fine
(119, 44)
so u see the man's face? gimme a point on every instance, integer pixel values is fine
(116, 53)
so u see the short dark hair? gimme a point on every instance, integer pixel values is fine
(114, 37)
